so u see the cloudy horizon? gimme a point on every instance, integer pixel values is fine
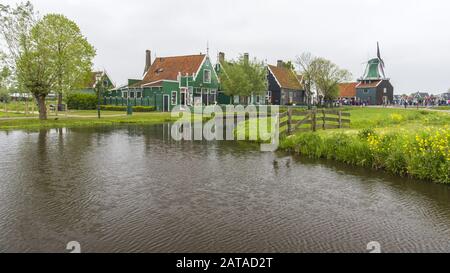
(411, 33)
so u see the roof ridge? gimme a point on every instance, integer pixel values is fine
(191, 55)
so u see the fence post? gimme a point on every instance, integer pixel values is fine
(340, 119)
(313, 120)
(289, 121)
(323, 119)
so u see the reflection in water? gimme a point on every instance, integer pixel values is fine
(134, 189)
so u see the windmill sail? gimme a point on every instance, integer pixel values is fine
(381, 60)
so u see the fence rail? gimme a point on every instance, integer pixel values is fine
(292, 120)
(119, 101)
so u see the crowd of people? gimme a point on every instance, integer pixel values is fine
(404, 101)
(423, 102)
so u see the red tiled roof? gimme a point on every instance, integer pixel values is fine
(368, 85)
(286, 77)
(167, 68)
(347, 90)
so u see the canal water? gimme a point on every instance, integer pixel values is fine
(133, 189)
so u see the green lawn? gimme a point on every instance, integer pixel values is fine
(93, 113)
(386, 117)
(444, 108)
(13, 114)
(62, 121)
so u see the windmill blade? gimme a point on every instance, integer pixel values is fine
(379, 54)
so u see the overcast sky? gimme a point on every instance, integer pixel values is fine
(414, 35)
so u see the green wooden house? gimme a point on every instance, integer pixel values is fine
(90, 84)
(170, 81)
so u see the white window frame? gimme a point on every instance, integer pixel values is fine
(213, 92)
(269, 96)
(204, 74)
(176, 98)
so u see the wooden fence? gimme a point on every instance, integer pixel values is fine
(294, 120)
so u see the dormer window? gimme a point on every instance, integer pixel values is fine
(207, 76)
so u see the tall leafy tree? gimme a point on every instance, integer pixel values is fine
(46, 55)
(72, 53)
(327, 76)
(15, 26)
(304, 61)
(257, 75)
(243, 77)
(4, 85)
(35, 67)
(233, 80)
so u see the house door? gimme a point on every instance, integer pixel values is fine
(183, 99)
(166, 103)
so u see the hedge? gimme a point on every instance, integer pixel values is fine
(124, 108)
(80, 101)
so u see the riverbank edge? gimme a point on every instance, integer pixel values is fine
(356, 154)
(20, 123)
(54, 123)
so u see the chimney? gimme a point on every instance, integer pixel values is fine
(246, 57)
(221, 57)
(279, 63)
(148, 60)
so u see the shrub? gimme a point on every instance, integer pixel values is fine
(396, 118)
(80, 101)
(309, 144)
(144, 108)
(4, 95)
(124, 108)
(429, 155)
(365, 133)
(113, 108)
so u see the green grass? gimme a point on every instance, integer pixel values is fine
(13, 114)
(386, 117)
(62, 121)
(93, 113)
(404, 142)
(21, 105)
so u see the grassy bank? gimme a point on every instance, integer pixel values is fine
(85, 119)
(412, 143)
